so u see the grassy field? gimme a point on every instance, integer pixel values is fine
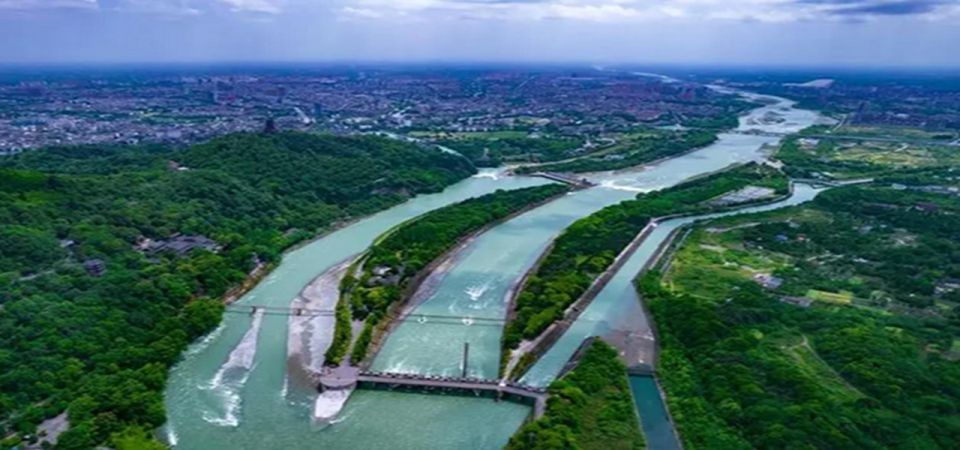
(806, 360)
(895, 132)
(849, 159)
(838, 298)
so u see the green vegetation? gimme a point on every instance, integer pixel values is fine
(493, 152)
(722, 122)
(889, 132)
(589, 246)
(637, 149)
(589, 408)
(866, 365)
(845, 159)
(100, 347)
(401, 255)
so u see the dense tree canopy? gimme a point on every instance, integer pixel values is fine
(589, 408)
(99, 343)
(872, 368)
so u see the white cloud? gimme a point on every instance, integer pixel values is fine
(632, 10)
(171, 8)
(47, 4)
(256, 6)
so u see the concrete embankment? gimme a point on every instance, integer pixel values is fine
(538, 346)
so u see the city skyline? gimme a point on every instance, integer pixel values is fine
(855, 33)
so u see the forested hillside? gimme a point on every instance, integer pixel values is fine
(90, 324)
(831, 325)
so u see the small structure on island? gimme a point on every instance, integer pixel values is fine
(768, 281)
(340, 378)
(181, 245)
(95, 267)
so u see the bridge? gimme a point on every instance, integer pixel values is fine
(756, 133)
(348, 377)
(565, 178)
(428, 319)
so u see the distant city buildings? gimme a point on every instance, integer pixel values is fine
(181, 109)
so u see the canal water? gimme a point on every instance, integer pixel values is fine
(653, 415)
(616, 314)
(231, 390)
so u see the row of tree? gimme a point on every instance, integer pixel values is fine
(590, 245)
(636, 151)
(402, 254)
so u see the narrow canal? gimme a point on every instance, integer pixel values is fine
(617, 316)
(231, 390)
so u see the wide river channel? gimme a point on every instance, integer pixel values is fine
(231, 390)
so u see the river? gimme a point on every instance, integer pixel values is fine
(231, 389)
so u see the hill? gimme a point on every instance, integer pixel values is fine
(90, 325)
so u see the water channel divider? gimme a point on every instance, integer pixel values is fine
(545, 341)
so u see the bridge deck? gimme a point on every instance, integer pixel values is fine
(565, 178)
(340, 379)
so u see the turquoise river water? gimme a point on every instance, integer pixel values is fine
(231, 389)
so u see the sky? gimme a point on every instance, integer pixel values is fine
(855, 33)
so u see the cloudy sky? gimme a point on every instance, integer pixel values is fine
(736, 32)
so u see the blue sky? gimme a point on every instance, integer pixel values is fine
(708, 32)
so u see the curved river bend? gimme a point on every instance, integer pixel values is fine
(231, 390)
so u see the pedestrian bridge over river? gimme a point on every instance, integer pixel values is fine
(435, 319)
(349, 377)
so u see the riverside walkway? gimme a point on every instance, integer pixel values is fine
(348, 377)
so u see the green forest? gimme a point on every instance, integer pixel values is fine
(399, 256)
(651, 146)
(857, 348)
(590, 408)
(89, 324)
(590, 245)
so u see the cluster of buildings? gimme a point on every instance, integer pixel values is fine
(183, 108)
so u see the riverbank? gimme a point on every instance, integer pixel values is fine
(582, 261)
(446, 260)
(382, 419)
(310, 333)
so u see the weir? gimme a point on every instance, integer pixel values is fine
(349, 378)
(566, 178)
(383, 419)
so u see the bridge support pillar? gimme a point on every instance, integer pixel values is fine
(466, 357)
